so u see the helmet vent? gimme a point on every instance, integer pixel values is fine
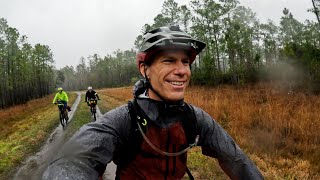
(179, 35)
(175, 28)
(155, 31)
(155, 38)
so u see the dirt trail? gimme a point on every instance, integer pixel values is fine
(34, 166)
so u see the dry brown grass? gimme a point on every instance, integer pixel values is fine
(279, 131)
(111, 98)
(13, 114)
(123, 94)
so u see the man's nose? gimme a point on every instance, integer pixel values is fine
(181, 68)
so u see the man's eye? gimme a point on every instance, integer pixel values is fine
(168, 61)
(185, 61)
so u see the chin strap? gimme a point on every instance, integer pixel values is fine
(150, 86)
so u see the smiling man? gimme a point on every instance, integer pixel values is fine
(169, 73)
(149, 137)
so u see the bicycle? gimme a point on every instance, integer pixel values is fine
(63, 116)
(93, 103)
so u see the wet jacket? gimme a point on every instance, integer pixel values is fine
(171, 131)
(88, 152)
(91, 95)
(61, 96)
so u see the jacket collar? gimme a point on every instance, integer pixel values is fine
(153, 108)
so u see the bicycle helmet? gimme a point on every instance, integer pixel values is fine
(89, 88)
(167, 37)
(60, 89)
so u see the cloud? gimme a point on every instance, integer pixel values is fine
(272, 9)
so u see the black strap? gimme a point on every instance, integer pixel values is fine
(137, 115)
(189, 174)
(190, 124)
(127, 152)
(191, 130)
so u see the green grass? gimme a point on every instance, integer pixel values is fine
(26, 134)
(82, 116)
(203, 167)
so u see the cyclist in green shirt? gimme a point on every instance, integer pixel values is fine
(62, 97)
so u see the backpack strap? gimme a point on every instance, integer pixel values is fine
(137, 115)
(127, 152)
(189, 173)
(190, 128)
(189, 124)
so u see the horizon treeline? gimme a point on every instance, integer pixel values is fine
(240, 49)
(26, 71)
(114, 70)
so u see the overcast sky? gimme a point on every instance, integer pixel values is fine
(75, 28)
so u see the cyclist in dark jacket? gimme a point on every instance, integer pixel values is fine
(160, 116)
(91, 94)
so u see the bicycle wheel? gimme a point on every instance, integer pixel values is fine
(61, 118)
(66, 118)
(94, 114)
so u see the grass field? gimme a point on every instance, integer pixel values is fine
(277, 130)
(23, 130)
(111, 98)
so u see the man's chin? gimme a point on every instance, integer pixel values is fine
(175, 97)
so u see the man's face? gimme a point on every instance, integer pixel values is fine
(169, 75)
(90, 90)
(60, 91)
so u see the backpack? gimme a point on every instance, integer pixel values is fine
(135, 140)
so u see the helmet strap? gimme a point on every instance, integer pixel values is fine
(150, 85)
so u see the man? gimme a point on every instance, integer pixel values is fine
(149, 137)
(91, 94)
(63, 98)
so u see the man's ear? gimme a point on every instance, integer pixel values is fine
(142, 68)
